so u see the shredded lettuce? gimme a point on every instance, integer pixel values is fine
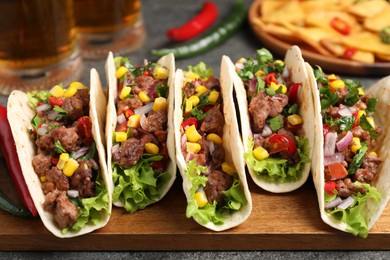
(276, 169)
(35, 96)
(202, 70)
(234, 197)
(356, 216)
(138, 186)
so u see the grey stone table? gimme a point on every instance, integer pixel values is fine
(159, 16)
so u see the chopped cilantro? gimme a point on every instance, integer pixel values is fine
(365, 125)
(371, 103)
(260, 85)
(328, 97)
(58, 148)
(358, 159)
(36, 121)
(162, 90)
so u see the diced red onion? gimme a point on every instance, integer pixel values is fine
(211, 147)
(189, 156)
(115, 148)
(121, 118)
(330, 144)
(239, 66)
(267, 131)
(72, 193)
(144, 109)
(42, 130)
(353, 110)
(80, 152)
(346, 203)
(285, 72)
(335, 158)
(345, 111)
(252, 84)
(183, 142)
(42, 107)
(334, 203)
(344, 142)
(52, 115)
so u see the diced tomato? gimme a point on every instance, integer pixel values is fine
(54, 160)
(330, 186)
(129, 113)
(326, 129)
(293, 93)
(85, 128)
(147, 73)
(158, 165)
(39, 103)
(190, 121)
(336, 171)
(56, 101)
(282, 142)
(271, 78)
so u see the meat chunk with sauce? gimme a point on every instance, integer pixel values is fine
(41, 164)
(82, 179)
(128, 153)
(154, 121)
(68, 138)
(213, 121)
(217, 183)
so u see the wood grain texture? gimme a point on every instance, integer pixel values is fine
(278, 222)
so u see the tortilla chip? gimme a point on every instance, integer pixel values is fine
(367, 41)
(366, 9)
(323, 18)
(379, 21)
(382, 56)
(338, 49)
(290, 12)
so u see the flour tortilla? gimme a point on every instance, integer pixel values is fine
(298, 74)
(381, 90)
(19, 117)
(167, 61)
(231, 143)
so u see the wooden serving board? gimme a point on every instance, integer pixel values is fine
(278, 222)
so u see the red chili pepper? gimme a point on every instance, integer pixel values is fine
(129, 113)
(8, 149)
(330, 186)
(293, 93)
(282, 142)
(85, 126)
(56, 101)
(196, 25)
(326, 129)
(349, 52)
(271, 78)
(356, 123)
(190, 121)
(340, 25)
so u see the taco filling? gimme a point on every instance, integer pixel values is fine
(276, 148)
(139, 153)
(66, 158)
(350, 160)
(215, 186)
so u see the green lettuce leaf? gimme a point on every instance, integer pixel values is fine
(138, 186)
(276, 169)
(35, 96)
(356, 216)
(202, 70)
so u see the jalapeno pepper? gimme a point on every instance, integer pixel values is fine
(8, 149)
(196, 25)
(211, 39)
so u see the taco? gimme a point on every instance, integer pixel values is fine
(351, 160)
(58, 139)
(276, 106)
(208, 148)
(139, 133)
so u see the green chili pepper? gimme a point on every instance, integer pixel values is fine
(214, 37)
(8, 206)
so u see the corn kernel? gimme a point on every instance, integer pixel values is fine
(64, 157)
(260, 153)
(374, 153)
(356, 144)
(43, 179)
(188, 107)
(120, 136)
(70, 91)
(337, 84)
(143, 96)
(125, 92)
(121, 71)
(190, 76)
(77, 84)
(134, 121)
(160, 104)
(200, 198)
(360, 91)
(214, 138)
(151, 148)
(260, 73)
(371, 121)
(284, 88)
(279, 62)
(70, 167)
(57, 91)
(213, 96)
(194, 99)
(193, 147)
(273, 86)
(192, 135)
(200, 89)
(295, 119)
(241, 60)
(160, 73)
(332, 77)
(228, 168)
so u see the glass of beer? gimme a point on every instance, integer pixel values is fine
(108, 25)
(37, 44)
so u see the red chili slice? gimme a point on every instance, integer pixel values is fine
(280, 143)
(56, 101)
(190, 121)
(293, 93)
(349, 52)
(271, 78)
(340, 25)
